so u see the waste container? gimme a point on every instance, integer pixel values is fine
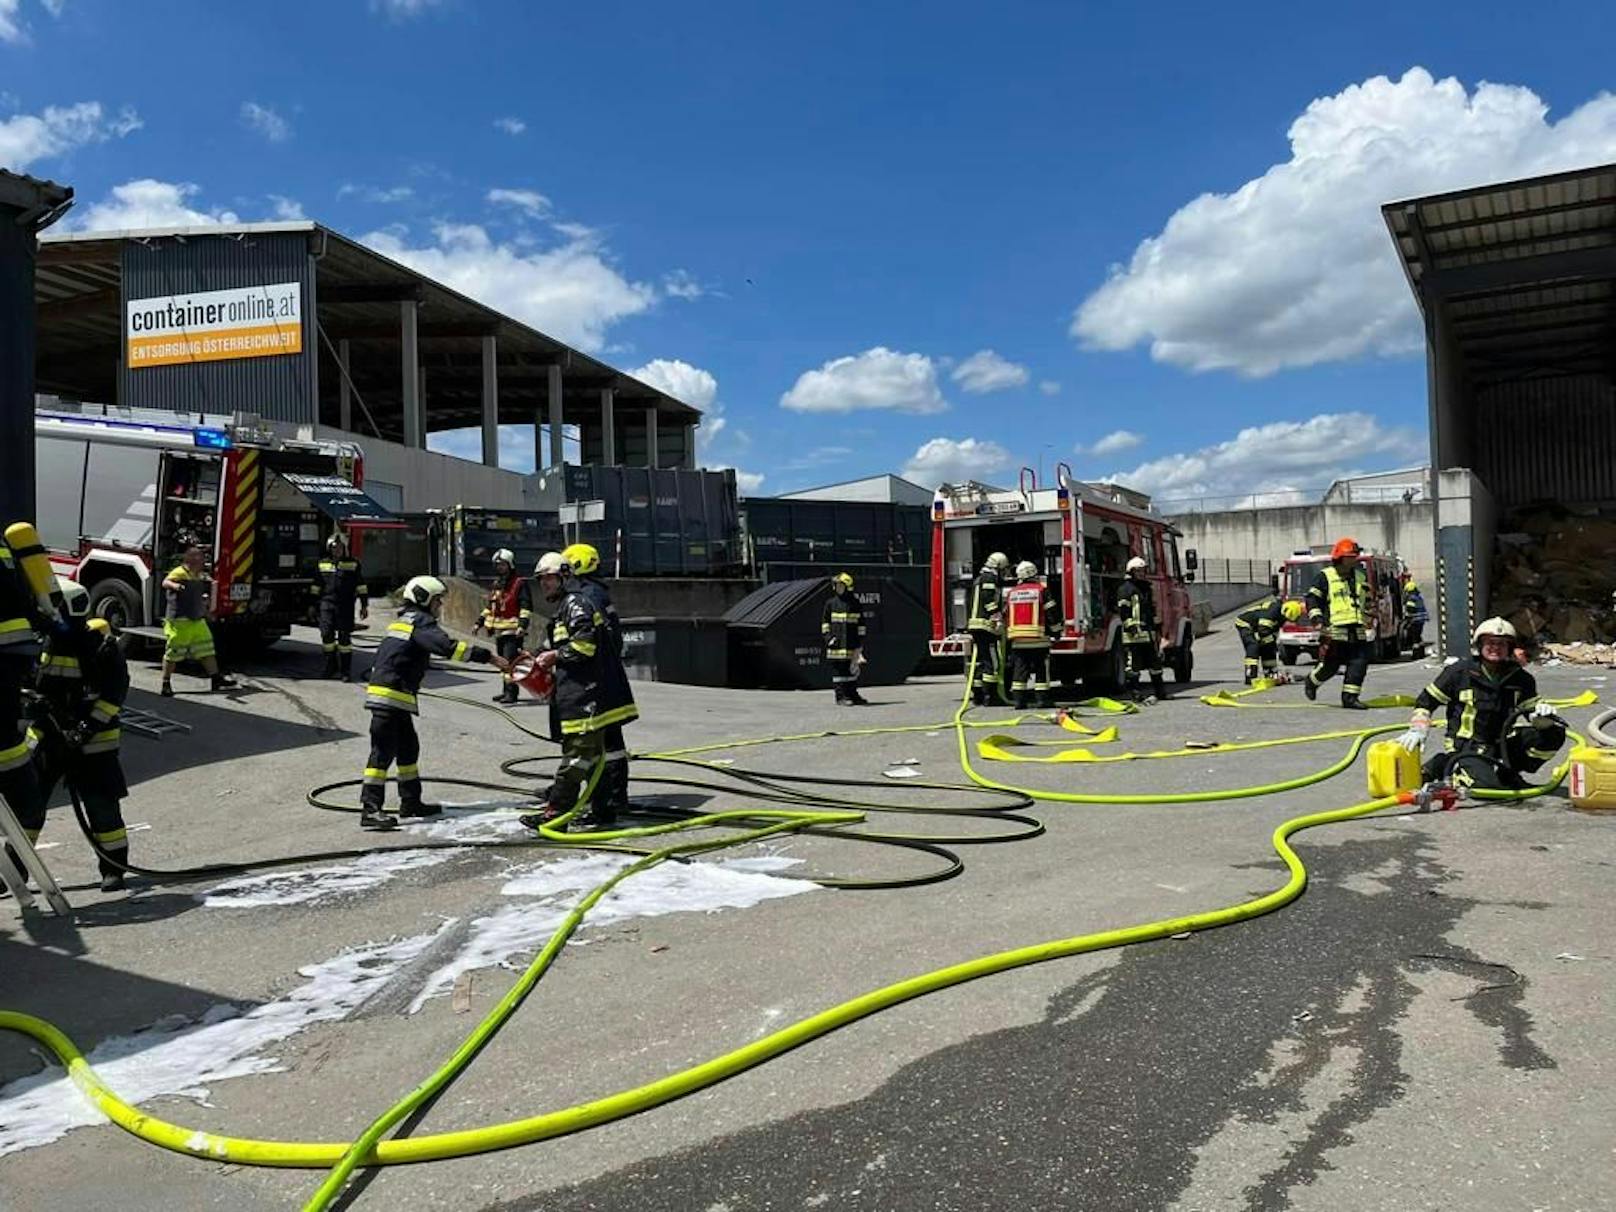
(775, 641)
(690, 651)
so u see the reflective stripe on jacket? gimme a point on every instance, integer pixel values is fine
(842, 627)
(406, 651)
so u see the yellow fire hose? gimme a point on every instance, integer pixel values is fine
(371, 1149)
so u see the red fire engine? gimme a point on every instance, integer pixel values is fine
(1385, 590)
(1081, 536)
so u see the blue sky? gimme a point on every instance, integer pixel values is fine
(1143, 239)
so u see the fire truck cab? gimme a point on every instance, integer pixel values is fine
(1081, 536)
(1296, 573)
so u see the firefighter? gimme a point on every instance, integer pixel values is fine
(185, 621)
(1141, 628)
(1339, 604)
(339, 582)
(83, 682)
(406, 650)
(20, 621)
(1031, 622)
(1497, 729)
(986, 625)
(584, 560)
(507, 616)
(591, 695)
(1258, 627)
(843, 630)
(1415, 617)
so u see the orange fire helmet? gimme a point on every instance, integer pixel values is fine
(1345, 548)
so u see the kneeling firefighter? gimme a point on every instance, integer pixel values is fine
(507, 616)
(1141, 628)
(1339, 604)
(591, 695)
(407, 649)
(986, 626)
(83, 682)
(843, 630)
(1497, 729)
(584, 561)
(1258, 627)
(1031, 622)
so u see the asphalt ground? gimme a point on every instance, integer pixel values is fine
(1428, 1027)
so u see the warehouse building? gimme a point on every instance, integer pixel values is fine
(309, 330)
(1515, 283)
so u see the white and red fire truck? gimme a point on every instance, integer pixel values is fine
(119, 496)
(1081, 536)
(1296, 573)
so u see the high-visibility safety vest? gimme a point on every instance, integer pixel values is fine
(1024, 618)
(1348, 600)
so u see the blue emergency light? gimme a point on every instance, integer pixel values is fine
(212, 439)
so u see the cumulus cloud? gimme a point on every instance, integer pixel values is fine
(57, 130)
(372, 193)
(286, 209)
(986, 371)
(1280, 458)
(952, 461)
(682, 284)
(1049, 387)
(746, 482)
(1115, 442)
(690, 384)
(1295, 267)
(529, 201)
(570, 291)
(12, 28)
(150, 203)
(509, 125)
(265, 121)
(876, 378)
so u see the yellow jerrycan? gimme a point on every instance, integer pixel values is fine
(1392, 769)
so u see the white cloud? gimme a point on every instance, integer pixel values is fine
(12, 28)
(986, 371)
(1295, 267)
(690, 384)
(682, 284)
(570, 292)
(1280, 457)
(265, 121)
(511, 126)
(876, 378)
(1114, 442)
(149, 203)
(286, 209)
(746, 482)
(529, 201)
(952, 461)
(1049, 387)
(58, 130)
(402, 10)
(371, 193)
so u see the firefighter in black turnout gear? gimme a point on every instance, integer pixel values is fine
(986, 626)
(339, 582)
(584, 561)
(1258, 627)
(1338, 603)
(843, 630)
(407, 649)
(23, 574)
(1141, 628)
(591, 695)
(507, 616)
(82, 684)
(1484, 693)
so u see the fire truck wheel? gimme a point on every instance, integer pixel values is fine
(115, 601)
(1182, 661)
(1106, 673)
(1288, 654)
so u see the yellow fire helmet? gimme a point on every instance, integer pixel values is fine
(1292, 610)
(583, 558)
(844, 579)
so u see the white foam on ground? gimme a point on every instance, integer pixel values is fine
(556, 887)
(179, 1057)
(314, 884)
(477, 821)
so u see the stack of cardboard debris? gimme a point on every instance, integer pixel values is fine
(1580, 654)
(1553, 572)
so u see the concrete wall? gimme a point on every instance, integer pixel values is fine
(1468, 519)
(1272, 534)
(415, 480)
(1223, 598)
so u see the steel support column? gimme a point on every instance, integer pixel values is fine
(410, 376)
(558, 428)
(491, 402)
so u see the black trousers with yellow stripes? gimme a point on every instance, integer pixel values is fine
(18, 781)
(1499, 767)
(98, 780)
(336, 634)
(392, 739)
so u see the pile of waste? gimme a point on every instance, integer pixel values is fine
(1553, 572)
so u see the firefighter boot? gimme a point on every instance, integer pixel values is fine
(1352, 703)
(1310, 688)
(223, 681)
(345, 666)
(1158, 687)
(418, 808)
(374, 818)
(544, 816)
(111, 877)
(855, 699)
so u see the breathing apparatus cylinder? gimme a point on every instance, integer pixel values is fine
(31, 559)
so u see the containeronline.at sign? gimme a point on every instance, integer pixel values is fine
(215, 325)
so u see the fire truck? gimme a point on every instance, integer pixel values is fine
(1296, 573)
(1081, 536)
(120, 497)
